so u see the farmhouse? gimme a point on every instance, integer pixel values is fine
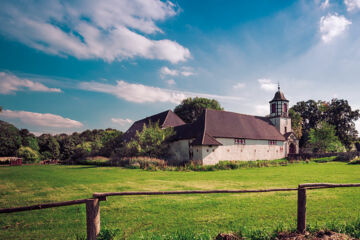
(221, 135)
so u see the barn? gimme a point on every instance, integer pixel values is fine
(221, 135)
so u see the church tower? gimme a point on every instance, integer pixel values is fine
(279, 116)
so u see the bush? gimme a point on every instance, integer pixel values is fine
(346, 157)
(140, 163)
(28, 154)
(355, 161)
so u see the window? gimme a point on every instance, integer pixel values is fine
(273, 108)
(285, 129)
(272, 142)
(240, 141)
(285, 108)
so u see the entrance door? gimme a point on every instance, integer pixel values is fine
(292, 148)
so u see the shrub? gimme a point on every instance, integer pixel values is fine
(27, 154)
(346, 157)
(355, 161)
(140, 163)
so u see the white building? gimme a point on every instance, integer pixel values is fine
(220, 135)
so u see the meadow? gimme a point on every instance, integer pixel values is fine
(163, 217)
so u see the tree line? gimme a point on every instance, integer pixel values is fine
(319, 125)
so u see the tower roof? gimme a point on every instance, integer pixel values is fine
(279, 96)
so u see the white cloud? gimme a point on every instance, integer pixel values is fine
(122, 122)
(41, 119)
(140, 93)
(165, 71)
(267, 84)
(171, 82)
(239, 85)
(185, 71)
(10, 83)
(332, 26)
(108, 29)
(325, 4)
(352, 5)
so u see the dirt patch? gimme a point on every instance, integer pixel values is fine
(327, 235)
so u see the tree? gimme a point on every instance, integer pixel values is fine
(29, 140)
(340, 115)
(323, 139)
(296, 123)
(49, 147)
(150, 142)
(28, 154)
(191, 108)
(10, 139)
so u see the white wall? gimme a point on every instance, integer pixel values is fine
(252, 150)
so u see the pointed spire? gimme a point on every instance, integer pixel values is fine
(278, 86)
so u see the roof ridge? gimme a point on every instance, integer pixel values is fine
(236, 113)
(166, 117)
(203, 137)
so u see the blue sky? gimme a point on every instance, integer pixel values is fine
(67, 66)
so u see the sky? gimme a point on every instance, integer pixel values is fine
(67, 66)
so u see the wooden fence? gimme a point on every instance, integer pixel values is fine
(93, 204)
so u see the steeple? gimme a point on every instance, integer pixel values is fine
(279, 104)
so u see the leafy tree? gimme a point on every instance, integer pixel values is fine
(49, 147)
(111, 140)
(340, 115)
(10, 139)
(323, 139)
(29, 140)
(191, 108)
(296, 123)
(28, 154)
(150, 142)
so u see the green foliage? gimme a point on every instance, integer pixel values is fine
(49, 147)
(191, 108)
(10, 139)
(296, 123)
(28, 154)
(29, 140)
(337, 112)
(107, 234)
(323, 139)
(150, 142)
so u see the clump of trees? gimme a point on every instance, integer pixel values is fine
(313, 117)
(191, 108)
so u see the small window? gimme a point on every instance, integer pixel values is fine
(273, 108)
(272, 142)
(240, 141)
(285, 108)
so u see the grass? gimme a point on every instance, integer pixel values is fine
(174, 217)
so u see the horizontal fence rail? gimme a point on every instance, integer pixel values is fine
(93, 204)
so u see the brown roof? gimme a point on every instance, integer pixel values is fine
(222, 124)
(166, 119)
(279, 96)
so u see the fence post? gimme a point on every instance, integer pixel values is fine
(301, 217)
(92, 218)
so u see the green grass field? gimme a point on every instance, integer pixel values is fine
(160, 217)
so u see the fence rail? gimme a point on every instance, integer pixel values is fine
(93, 204)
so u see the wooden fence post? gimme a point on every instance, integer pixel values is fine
(92, 218)
(301, 217)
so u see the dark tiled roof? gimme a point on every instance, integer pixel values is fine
(221, 124)
(279, 96)
(166, 119)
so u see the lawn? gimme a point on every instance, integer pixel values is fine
(159, 217)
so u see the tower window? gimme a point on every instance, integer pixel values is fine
(273, 108)
(285, 108)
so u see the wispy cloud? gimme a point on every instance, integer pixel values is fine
(325, 4)
(109, 29)
(239, 85)
(122, 122)
(332, 26)
(184, 71)
(171, 82)
(10, 83)
(267, 84)
(41, 119)
(352, 5)
(140, 93)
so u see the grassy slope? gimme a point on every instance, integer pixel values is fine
(158, 215)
